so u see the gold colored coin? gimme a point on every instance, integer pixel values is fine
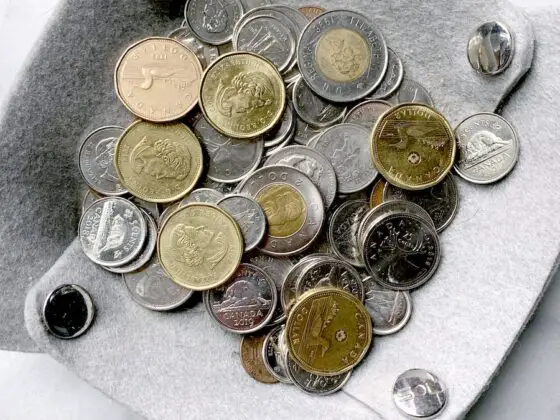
(158, 79)
(413, 146)
(200, 246)
(159, 163)
(284, 208)
(329, 331)
(252, 360)
(311, 12)
(376, 197)
(242, 95)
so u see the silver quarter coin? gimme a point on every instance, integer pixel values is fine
(393, 77)
(490, 48)
(293, 207)
(89, 198)
(311, 383)
(212, 21)
(411, 91)
(205, 53)
(153, 209)
(230, 160)
(248, 215)
(96, 161)
(274, 355)
(419, 393)
(313, 109)
(390, 310)
(283, 129)
(245, 303)
(202, 195)
(342, 56)
(343, 231)
(153, 289)
(487, 148)
(346, 146)
(304, 132)
(112, 231)
(288, 292)
(367, 113)
(313, 164)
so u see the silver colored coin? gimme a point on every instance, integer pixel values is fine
(490, 48)
(96, 161)
(279, 147)
(367, 113)
(294, 15)
(112, 231)
(390, 310)
(487, 148)
(283, 129)
(244, 304)
(167, 212)
(314, 384)
(338, 72)
(248, 215)
(304, 132)
(230, 160)
(205, 53)
(89, 198)
(313, 109)
(411, 91)
(393, 77)
(346, 146)
(153, 209)
(212, 21)
(153, 289)
(290, 77)
(313, 164)
(293, 207)
(419, 393)
(288, 292)
(224, 188)
(343, 231)
(202, 195)
(440, 201)
(249, 5)
(274, 355)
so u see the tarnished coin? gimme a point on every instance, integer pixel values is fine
(312, 383)
(410, 91)
(311, 12)
(419, 393)
(345, 146)
(440, 201)
(488, 148)
(490, 48)
(245, 303)
(389, 309)
(376, 197)
(343, 230)
(313, 109)
(159, 163)
(112, 231)
(252, 359)
(154, 290)
(200, 246)
(96, 161)
(328, 331)
(304, 132)
(248, 215)
(413, 146)
(293, 207)
(283, 129)
(367, 113)
(274, 355)
(158, 79)
(89, 198)
(212, 21)
(205, 53)
(393, 77)
(313, 164)
(242, 95)
(342, 56)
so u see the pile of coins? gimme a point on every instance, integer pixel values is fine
(299, 181)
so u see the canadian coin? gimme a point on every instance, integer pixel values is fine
(274, 355)
(200, 246)
(390, 310)
(159, 163)
(275, 149)
(225, 48)
(342, 56)
(410, 91)
(376, 197)
(242, 95)
(294, 15)
(490, 48)
(248, 215)
(222, 187)
(291, 76)
(158, 79)
(167, 212)
(328, 331)
(112, 231)
(393, 77)
(89, 198)
(313, 109)
(488, 148)
(245, 303)
(313, 164)
(343, 230)
(205, 53)
(311, 12)
(283, 129)
(304, 132)
(419, 393)
(288, 292)
(367, 113)
(413, 146)
(212, 21)
(152, 208)
(252, 359)
(312, 383)
(249, 5)
(96, 161)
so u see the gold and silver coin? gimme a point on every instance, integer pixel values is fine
(252, 359)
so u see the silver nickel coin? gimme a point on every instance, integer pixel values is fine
(367, 113)
(89, 198)
(312, 383)
(411, 91)
(283, 130)
(205, 53)
(490, 48)
(393, 77)
(202, 195)
(343, 231)
(419, 393)
(248, 215)
(313, 109)
(212, 21)
(274, 355)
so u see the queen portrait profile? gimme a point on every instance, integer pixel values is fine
(247, 92)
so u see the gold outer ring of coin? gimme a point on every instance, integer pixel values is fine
(376, 197)
(252, 360)
(311, 12)
(332, 309)
(237, 134)
(211, 252)
(414, 156)
(150, 78)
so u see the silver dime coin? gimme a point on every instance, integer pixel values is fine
(487, 148)
(89, 198)
(153, 209)
(343, 231)
(283, 129)
(274, 355)
(346, 146)
(153, 289)
(313, 164)
(293, 207)
(411, 91)
(419, 393)
(112, 231)
(312, 383)
(212, 21)
(342, 56)
(304, 132)
(202, 195)
(205, 53)
(390, 310)
(313, 109)
(490, 48)
(367, 113)
(248, 215)
(288, 292)
(245, 303)
(96, 161)
(440, 201)
(393, 77)
(230, 160)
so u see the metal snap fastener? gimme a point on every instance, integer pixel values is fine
(490, 48)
